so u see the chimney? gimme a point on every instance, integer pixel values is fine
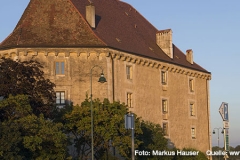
(189, 56)
(164, 41)
(90, 15)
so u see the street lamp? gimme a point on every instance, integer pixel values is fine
(102, 79)
(218, 136)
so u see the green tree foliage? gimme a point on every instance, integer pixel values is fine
(109, 129)
(27, 78)
(152, 139)
(27, 136)
(156, 140)
(111, 139)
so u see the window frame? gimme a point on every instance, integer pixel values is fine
(193, 132)
(163, 77)
(61, 101)
(191, 85)
(164, 106)
(129, 99)
(60, 67)
(165, 128)
(129, 72)
(192, 108)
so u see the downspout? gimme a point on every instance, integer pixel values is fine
(113, 88)
(113, 92)
(208, 112)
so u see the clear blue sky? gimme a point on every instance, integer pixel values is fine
(209, 28)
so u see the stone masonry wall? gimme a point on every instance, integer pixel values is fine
(145, 86)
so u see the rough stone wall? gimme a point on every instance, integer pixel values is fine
(76, 79)
(145, 86)
(148, 92)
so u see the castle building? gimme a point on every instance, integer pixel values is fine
(143, 68)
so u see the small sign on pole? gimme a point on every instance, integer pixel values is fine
(129, 121)
(225, 124)
(129, 124)
(223, 110)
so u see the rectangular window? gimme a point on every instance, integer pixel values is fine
(191, 88)
(192, 109)
(129, 72)
(164, 106)
(60, 97)
(59, 67)
(164, 77)
(129, 100)
(165, 129)
(193, 133)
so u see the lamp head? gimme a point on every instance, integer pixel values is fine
(213, 132)
(222, 132)
(102, 79)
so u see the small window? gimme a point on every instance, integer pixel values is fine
(192, 109)
(129, 100)
(164, 77)
(59, 67)
(129, 72)
(191, 88)
(60, 97)
(193, 133)
(164, 106)
(165, 129)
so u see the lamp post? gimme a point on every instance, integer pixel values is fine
(102, 79)
(218, 136)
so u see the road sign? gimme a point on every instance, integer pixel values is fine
(129, 121)
(226, 139)
(223, 110)
(129, 124)
(225, 124)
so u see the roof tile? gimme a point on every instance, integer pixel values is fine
(62, 23)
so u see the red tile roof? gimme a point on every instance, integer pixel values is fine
(62, 23)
